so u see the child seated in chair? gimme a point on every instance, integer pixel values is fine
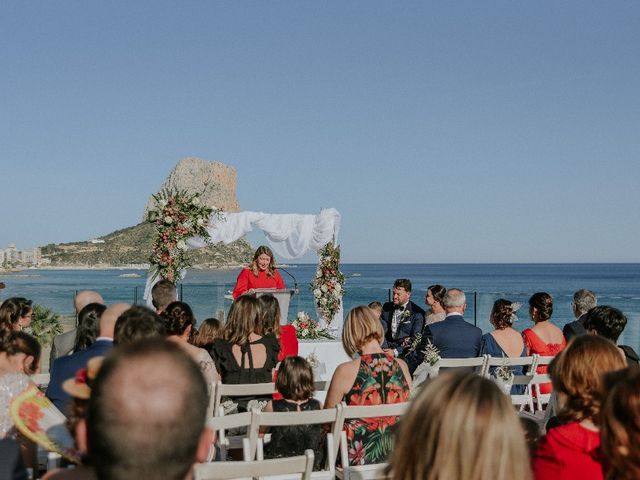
(295, 383)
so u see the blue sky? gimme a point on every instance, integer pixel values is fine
(461, 131)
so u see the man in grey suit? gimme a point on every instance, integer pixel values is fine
(583, 301)
(63, 343)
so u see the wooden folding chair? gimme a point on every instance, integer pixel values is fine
(331, 416)
(257, 469)
(372, 471)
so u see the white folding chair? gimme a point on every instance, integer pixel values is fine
(41, 380)
(423, 372)
(222, 423)
(525, 399)
(331, 416)
(228, 390)
(528, 362)
(372, 471)
(257, 469)
(542, 399)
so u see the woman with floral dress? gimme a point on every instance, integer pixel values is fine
(375, 378)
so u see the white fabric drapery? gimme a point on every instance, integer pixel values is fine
(289, 235)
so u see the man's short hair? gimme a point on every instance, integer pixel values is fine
(584, 300)
(454, 298)
(403, 283)
(138, 323)
(163, 293)
(606, 321)
(147, 412)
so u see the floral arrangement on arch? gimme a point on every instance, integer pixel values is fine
(328, 284)
(308, 329)
(177, 216)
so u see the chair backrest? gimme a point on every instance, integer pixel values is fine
(525, 399)
(542, 399)
(511, 361)
(221, 423)
(302, 464)
(240, 390)
(41, 380)
(333, 416)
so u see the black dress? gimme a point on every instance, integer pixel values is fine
(293, 440)
(245, 372)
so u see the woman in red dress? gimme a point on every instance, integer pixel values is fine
(544, 338)
(261, 273)
(572, 449)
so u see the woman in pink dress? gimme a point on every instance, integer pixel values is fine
(544, 338)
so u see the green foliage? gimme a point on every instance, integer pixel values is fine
(45, 324)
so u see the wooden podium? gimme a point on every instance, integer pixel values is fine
(284, 298)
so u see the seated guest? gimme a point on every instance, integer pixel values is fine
(504, 341)
(609, 322)
(242, 355)
(544, 338)
(270, 325)
(295, 385)
(62, 344)
(16, 313)
(583, 301)
(147, 414)
(162, 294)
(66, 367)
(179, 323)
(374, 378)
(402, 320)
(88, 326)
(572, 449)
(138, 323)
(620, 424)
(79, 389)
(460, 426)
(435, 301)
(261, 273)
(453, 337)
(376, 307)
(209, 330)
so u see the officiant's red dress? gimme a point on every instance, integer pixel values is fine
(536, 345)
(247, 280)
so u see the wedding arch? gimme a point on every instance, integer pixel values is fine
(289, 236)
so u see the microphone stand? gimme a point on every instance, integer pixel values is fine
(295, 290)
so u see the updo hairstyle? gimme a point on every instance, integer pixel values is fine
(543, 303)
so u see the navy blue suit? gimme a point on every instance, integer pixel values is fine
(575, 328)
(409, 326)
(66, 367)
(453, 337)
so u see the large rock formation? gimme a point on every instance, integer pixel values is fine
(215, 182)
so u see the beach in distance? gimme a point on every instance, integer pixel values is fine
(615, 284)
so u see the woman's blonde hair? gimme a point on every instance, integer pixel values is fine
(577, 373)
(360, 327)
(460, 426)
(263, 249)
(244, 319)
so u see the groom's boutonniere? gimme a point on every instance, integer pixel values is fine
(406, 314)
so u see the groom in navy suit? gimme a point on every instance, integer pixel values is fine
(454, 337)
(402, 320)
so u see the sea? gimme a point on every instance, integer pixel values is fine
(207, 291)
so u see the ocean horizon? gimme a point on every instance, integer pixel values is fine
(615, 284)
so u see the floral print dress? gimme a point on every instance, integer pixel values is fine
(380, 380)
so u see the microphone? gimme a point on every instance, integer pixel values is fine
(295, 282)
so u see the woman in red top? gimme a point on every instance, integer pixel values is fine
(572, 450)
(544, 338)
(261, 273)
(286, 334)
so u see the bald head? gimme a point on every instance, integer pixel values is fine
(85, 297)
(147, 413)
(110, 317)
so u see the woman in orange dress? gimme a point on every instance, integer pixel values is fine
(261, 273)
(544, 338)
